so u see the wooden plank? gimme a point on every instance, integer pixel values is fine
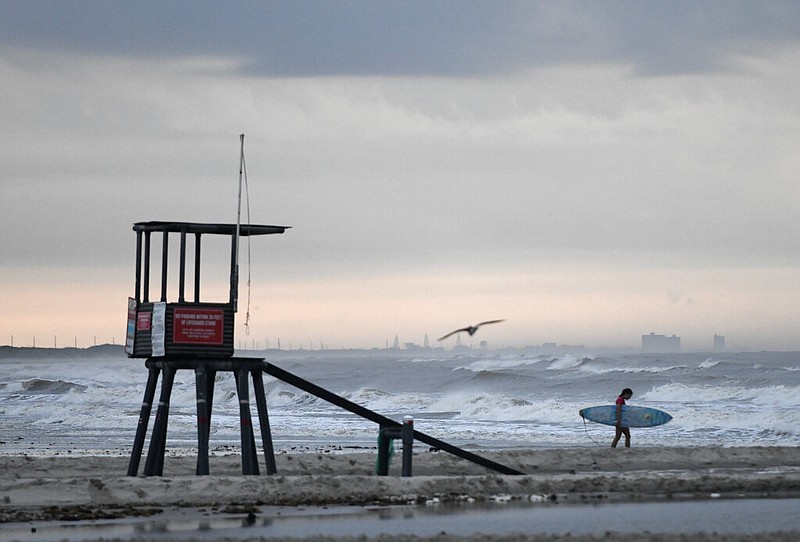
(381, 420)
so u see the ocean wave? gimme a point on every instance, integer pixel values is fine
(51, 387)
(499, 364)
(709, 363)
(492, 398)
(503, 408)
(287, 398)
(631, 370)
(431, 359)
(492, 377)
(567, 362)
(773, 395)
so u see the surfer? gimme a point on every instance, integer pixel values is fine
(626, 394)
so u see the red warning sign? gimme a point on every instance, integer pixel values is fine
(143, 321)
(197, 326)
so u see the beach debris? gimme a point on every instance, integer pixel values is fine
(543, 497)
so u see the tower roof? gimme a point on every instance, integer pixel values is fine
(204, 227)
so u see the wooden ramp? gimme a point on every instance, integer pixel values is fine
(383, 421)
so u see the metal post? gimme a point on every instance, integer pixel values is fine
(201, 383)
(249, 463)
(164, 264)
(138, 286)
(263, 422)
(385, 437)
(408, 443)
(144, 419)
(146, 278)
(197, 268)
(211, 376)
(182, 270)
(234, 293)
(234, 297)
(154, 465)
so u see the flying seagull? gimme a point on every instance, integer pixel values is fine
(470, 329)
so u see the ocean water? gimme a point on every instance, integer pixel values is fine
(79, 401)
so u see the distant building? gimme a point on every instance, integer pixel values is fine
(719, 343)
(661, 343)
(415, 346)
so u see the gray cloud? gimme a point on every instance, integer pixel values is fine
(551, 162)
(450, 38)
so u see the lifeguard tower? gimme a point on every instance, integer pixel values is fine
(192, 333)
(189, 332)
(185, 327)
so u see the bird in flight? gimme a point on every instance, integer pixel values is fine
(470, 329)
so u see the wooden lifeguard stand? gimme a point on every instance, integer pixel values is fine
(190, 333)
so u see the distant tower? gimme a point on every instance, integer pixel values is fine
(719, 343)
(458, 340)
(660, 343)
(396, 342)
(427, 343)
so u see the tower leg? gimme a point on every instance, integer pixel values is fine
(407, 434)
(210, 380)
(263, 422)
(201, 383)
(144, 420)
(154, 465)
(249, 463)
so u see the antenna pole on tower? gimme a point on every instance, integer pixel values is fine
(235, 277)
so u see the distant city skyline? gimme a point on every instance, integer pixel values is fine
(658, 343)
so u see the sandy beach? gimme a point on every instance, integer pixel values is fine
(75, 486)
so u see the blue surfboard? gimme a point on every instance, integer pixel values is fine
(632, 416)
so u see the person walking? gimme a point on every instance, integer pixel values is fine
(626, 394)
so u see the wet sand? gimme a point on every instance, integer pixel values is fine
(75, 486)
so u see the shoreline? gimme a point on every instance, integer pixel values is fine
(426, 461)
(69, 488)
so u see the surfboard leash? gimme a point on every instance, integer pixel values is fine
(586, 430)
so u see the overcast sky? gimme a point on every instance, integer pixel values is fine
(589, 171)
